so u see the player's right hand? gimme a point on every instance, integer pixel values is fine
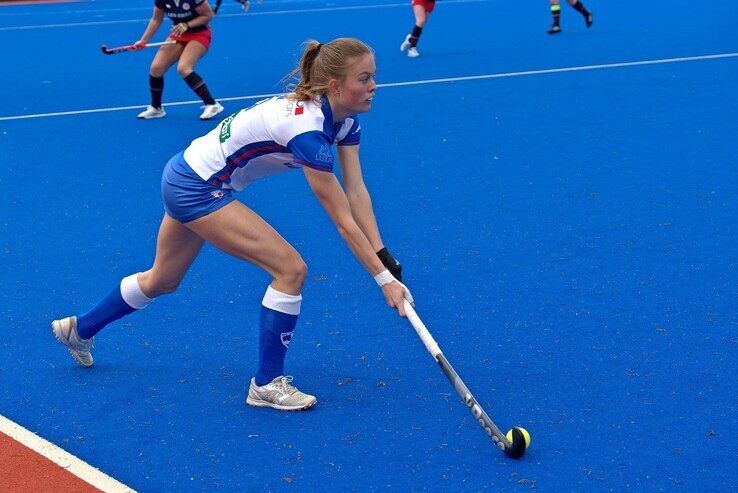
(395, 293)
(140, 44)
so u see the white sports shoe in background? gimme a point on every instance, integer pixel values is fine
(279, 394)
(210, 110)
(151, 112)
(65, 331)
(405, 44)
(413, 52)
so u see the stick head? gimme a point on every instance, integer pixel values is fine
(520, 439)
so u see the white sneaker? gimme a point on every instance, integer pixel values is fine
(65, 331)
(413, 52)
(210, 110)
(244, 5)
(405, 44)
(151, 112)
(279, 394)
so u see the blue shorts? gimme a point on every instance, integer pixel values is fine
(187, 196)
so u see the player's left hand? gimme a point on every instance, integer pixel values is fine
(180, 28)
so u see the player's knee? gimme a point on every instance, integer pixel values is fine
(157, 70)
(300, 271)
(184, 69)
(295, 271)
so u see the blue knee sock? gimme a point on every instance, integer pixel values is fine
(279, 312)
(120, 301)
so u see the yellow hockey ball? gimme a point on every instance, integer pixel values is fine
(525, 433)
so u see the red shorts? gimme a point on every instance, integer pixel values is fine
(428, 5)
(203, 37)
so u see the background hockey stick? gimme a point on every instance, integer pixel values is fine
(517, 439)
(121, 49)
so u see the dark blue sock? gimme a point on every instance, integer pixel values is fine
(110, 309)
(199, 87)
(579, 7)
(275, 334)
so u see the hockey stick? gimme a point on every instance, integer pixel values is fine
(120, 49)
(517, 439)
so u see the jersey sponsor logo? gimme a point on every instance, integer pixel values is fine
(225, 127)
(324, 154)
(218, 194)
(179, 15)
(294, 108)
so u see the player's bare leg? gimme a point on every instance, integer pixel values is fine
(191, 54)
(177, 246)
(411, 40)
(164, 58)
(239, 231)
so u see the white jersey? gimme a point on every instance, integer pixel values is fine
(271, 137)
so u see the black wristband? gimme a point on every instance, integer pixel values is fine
(391, 263)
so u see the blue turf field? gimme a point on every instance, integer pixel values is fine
(570, 239)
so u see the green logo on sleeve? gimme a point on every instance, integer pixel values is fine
(225, 127)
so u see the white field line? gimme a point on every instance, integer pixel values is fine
(63, 459)
(411, 83)
(239, 14)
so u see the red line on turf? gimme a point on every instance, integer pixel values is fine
(22, 469)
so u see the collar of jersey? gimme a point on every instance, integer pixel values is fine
(328, 126)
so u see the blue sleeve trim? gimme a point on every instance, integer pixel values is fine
(313, 149)
(314, 166)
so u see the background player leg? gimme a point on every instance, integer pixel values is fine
(556, 14)
(411, 40)
(164, 58)
(192, 52)
(579, 7)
